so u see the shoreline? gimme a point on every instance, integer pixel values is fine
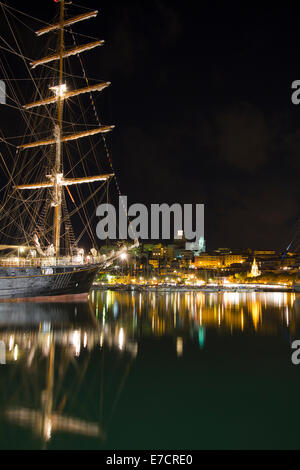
(206, 289)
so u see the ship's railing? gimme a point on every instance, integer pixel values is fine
(41, 262)
(79, 259)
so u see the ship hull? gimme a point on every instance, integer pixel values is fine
(32, 282)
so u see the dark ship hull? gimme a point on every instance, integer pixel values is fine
(27, 282)
(297, 286)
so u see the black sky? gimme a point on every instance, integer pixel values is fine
(201, 100)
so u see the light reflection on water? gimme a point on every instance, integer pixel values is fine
(264, 313)
(67, 365)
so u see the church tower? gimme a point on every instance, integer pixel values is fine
(254, 270)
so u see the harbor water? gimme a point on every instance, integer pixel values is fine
(151, 370)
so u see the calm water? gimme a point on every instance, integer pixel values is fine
(151, 371)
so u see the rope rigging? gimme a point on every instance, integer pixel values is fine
(29, 213)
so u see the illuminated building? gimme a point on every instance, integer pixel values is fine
(154, 263)
(254, 270)
(264, 253)
(158, 251)
(218, 260)
(229, 259)
(179, 235)
(207, 261)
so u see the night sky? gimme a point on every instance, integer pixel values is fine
(201, 100)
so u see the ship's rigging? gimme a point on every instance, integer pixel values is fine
(54, 174)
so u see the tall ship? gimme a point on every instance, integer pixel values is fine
(54, 173)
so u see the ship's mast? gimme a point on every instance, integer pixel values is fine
(56, 179)
(58, 134)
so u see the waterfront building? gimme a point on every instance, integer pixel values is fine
(157, 251)
(207, 261)
(215, 260)
(170, 252)
(230, 259)
(154, 263)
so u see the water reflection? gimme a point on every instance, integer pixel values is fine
(66, 365)
(49, 349)
(168, 313)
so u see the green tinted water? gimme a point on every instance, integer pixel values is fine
(151, 371)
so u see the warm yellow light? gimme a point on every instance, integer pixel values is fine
(59, 90)
(11, 343)
(16, 352)
(76, 342)
(179, 346)
(121, 338)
